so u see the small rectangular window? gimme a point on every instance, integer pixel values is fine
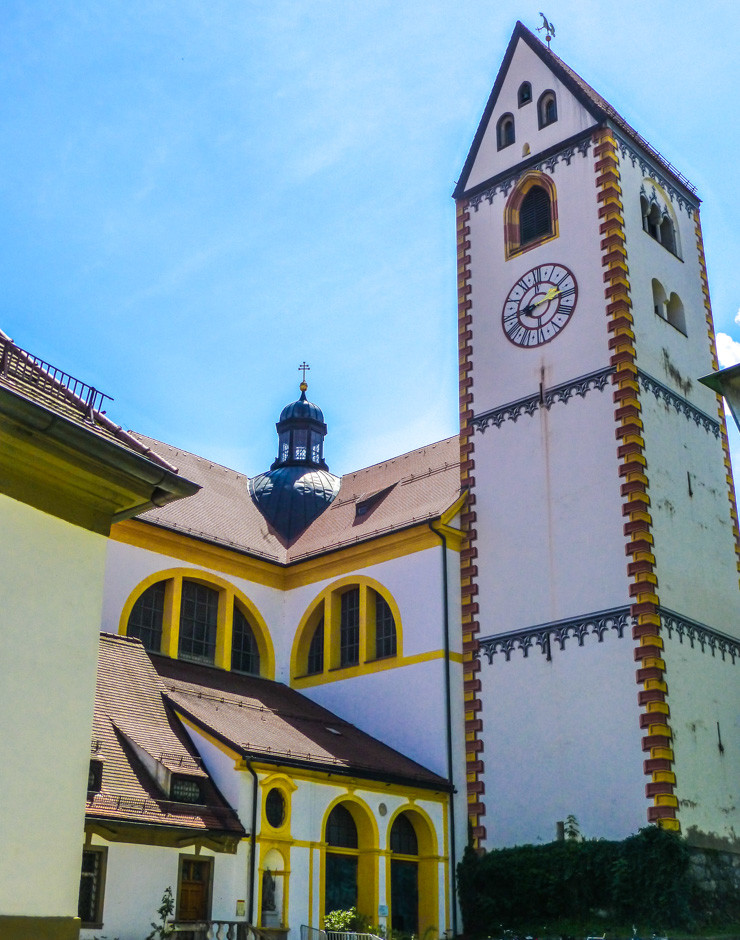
(92, 883)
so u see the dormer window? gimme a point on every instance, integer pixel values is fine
(524, 95)
(95, 776)
(185, 790)
(547, 108)
(505, 131)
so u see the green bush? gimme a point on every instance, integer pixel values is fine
(645, 879)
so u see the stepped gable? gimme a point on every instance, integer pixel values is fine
(407, 490)
(271, 722)
(130, 714)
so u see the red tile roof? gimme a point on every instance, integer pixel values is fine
(129, 707)
(271, 722)
(421, 485)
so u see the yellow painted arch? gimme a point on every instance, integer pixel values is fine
(229, 595)
(326, 603)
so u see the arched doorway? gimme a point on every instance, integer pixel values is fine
(342, 858)
(404, 876)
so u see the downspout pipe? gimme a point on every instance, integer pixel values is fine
(448, 717)
(253, 840)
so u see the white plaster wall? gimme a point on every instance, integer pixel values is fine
(50, 598)
(403, 707)
(572, 117)
(549, 522)
(694, 544)
(137, 876)
(703, 691)
(562, 737)
(503, 372)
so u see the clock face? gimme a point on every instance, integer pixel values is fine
(539, 305)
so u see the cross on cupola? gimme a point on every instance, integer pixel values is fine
(304, 367)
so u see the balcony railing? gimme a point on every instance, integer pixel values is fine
(18, 365)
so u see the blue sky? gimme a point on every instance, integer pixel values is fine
(200, 195)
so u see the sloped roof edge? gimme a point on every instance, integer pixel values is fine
(591, 100)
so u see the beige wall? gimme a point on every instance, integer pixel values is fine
(50, 604)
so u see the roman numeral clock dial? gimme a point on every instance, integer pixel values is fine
(539, 305)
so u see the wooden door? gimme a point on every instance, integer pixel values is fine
(195, 880)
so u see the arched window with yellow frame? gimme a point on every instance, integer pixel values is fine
(350, 868)
(194, 615)
(413, 873)
(354, 623)
(531, 213)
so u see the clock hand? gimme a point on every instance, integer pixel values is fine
(550, 295)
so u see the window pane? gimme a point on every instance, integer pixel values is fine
(245, 655)
(341, 829)
(316, 650)
(349, 629)
(198, 620)
(403, 837)
(90, 887)
(385, 629)
(341, 882)
(146, 617)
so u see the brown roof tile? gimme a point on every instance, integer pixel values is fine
(421, 485)
(129, 707)
(270, 721)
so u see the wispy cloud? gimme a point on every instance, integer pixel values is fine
(728, 349)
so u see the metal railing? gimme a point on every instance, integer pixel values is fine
(19, 365)
(313, 933)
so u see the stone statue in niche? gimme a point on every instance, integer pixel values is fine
(268, 891)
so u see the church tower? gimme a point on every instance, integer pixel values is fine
(601, 609)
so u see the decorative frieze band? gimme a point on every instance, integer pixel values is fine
(629, 151)
(598, 624)
(699, 633)
(558, 631)
(681, 404)
(548, 165)
(560, 394)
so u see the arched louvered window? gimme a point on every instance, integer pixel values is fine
(524, 95)
(535, 216)
(547, 108)
(245, 654)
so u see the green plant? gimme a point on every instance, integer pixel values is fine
(163, 929)
(341, 920)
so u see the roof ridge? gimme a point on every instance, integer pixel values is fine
(408, 453)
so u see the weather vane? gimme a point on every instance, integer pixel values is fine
(548, 28)
(304, 367)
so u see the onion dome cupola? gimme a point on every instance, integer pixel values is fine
(298, 486)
